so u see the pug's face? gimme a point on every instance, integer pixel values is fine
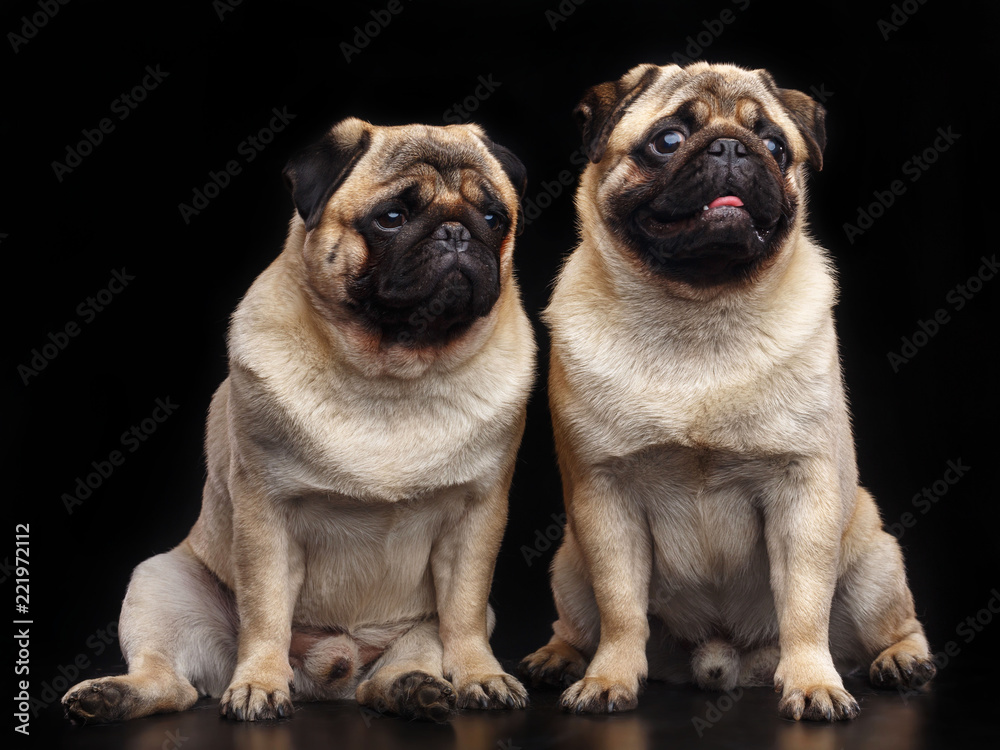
(410, 229)
(700, 169)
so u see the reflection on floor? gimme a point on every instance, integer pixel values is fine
(668, 717)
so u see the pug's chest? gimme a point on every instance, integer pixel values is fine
(737, 420)
(751, 404)
(400, 452)
(750, 419)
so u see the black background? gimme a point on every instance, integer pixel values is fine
(164, 335)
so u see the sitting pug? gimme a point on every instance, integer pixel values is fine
(716, 529)
(359, 453)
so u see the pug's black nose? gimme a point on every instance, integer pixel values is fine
(727, 149)
(454, 235)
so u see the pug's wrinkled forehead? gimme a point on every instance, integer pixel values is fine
(432, 163)
(719, 91)
(436, 148)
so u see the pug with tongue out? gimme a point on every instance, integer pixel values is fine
(716, 529)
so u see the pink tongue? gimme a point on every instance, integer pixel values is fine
(726, 200)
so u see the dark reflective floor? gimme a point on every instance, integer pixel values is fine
(953, 714)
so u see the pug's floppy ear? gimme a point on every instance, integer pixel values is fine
(314, 173)
(604, 105)
(516, 173)
(810, 117)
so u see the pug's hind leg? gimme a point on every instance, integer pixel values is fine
(151, 686)
(177, 629)
(563, 660)
(407, 680)
(556, 664)
(878, 601)
(905, 664)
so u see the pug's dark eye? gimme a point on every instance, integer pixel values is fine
(492, 220)
(391, 220)
(777, 149)
(667, 142)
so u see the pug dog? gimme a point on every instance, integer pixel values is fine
(359, 452)
(716, 529)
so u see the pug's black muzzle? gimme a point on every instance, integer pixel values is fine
(434, 290)
(716, 218)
